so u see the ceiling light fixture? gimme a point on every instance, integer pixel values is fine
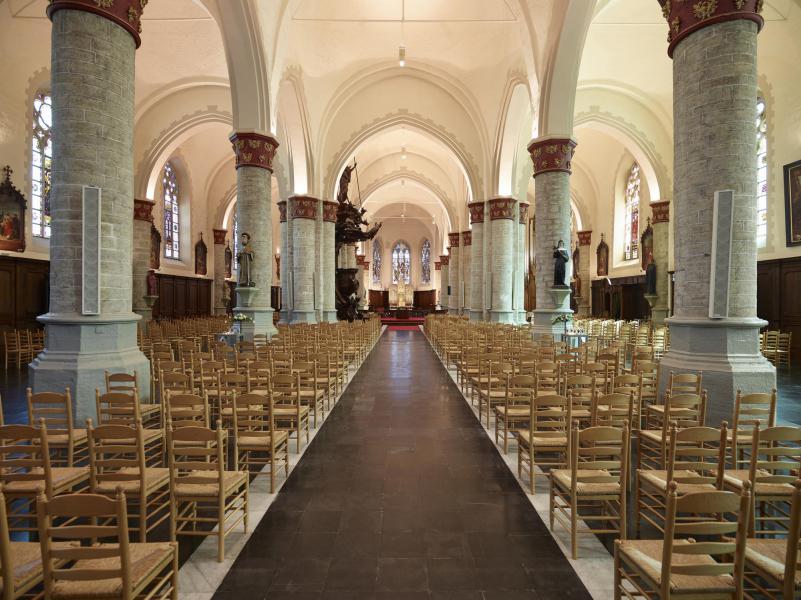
(402, 55)
(403, 152)
(402, 47)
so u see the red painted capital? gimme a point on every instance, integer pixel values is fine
(502, 208)
(125, 13)
(453, 240)
(476, 212)
(281, 211)
(685, 17)
(303, 207)
(143, 210)
(437, 265)
(523, 212)
(467, 238)
(551, 155)
(330, 211)
(366, 265)
(254, 150)
(445, 260)
(660, 211)
(584, 237)
(219, 236)
(360, 260)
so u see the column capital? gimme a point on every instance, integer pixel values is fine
(584, 237)
(330, 211)
(254, 149)
(219, 236)
(125, 13)
(143, 210)
(502, 208)
(445, 260)
(360, 260)
(467, 238)
(552, 154)
(685, 18)
(476, 212)
(366, 265)
(303, 207)
(281, 211)
(437, 265)
(453, 240)
(660, 211)
(523, 212)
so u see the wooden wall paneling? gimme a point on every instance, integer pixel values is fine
(425, 299)
(379, 299)
(191, 297)
(33, 287)
(204, 297)
(179, 298)
(769, 297)
(8, 296)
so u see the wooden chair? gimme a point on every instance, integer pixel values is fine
(11, 348)
(631, 384)
(228, 385)
(116, 569)
(202, 492)
(770, 345)
(549, 423)
(291, 415)
(21, 562)
(117, 462)
(66, 442)
(581, 391)
(257, 443)
(311, 394)
(685, 410)
(515, 410)
(122, 408)
(784, 349)
(126, 382)
(749, 410)
(183, 410)
(682, 565)
(492, 391)
(612, 410)
(595, 482)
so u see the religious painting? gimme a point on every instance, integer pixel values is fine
(201, 254)
(602, 256)
(229, 260)
(12, 215)
(155, 247)
(646, 244)
(792, 202)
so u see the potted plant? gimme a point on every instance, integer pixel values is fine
(563, 318)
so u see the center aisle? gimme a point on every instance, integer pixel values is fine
(401, 495)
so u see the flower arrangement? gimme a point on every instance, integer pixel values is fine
(241, 317)
(562, 318)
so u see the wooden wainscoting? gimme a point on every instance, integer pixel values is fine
(24, 292)
(623, 299)
(779, 296)
(182, 297)
(379, 299)
(425, 299)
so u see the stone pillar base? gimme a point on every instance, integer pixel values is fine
(146, 314)
(476, 315)
(79, 350)
(304, 316)
(286, 316)
(220, 310)
(453, 311)
(330, 316)
(262, 322)
(658, 315)
(727, 352)
(503, 316)
(542, 320)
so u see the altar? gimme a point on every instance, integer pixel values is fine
(401, 295)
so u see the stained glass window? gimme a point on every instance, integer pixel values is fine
(425, 258)
(762, 174)
(172, 216)
(376, 262)
(41, 164)
(401, 263)
(631, 226)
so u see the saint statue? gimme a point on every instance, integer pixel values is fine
(244, 258)
(560, 260)
(650, 276)
(344, 182)
(152, 283)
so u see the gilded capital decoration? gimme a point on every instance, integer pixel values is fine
(143, 210)
(281, 211)
(552, 155)
(219, 236)
(444, 260)
(688, 16)
(523, 212)
(254, 150)
(125, 13)
(453, 240)
(330, 211)
(303, 207)
(467, 238)
(584, 237)
(476, 212)
(502, 208)
(437, 265)
(660, 212)
(360, 260)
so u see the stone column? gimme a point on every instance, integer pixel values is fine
(454, 274)
(142, 223)
(476, 273)
(444, 260)
(585, 298)
(437, 281)
(660, 223)
(520, 264)
(714, 51)
(467, 273)
(364, 284)
(551, 157)
(220, 283)
(503, 229)
(303, 216)
(329, 261)
(254, 167)
(90, 326)
(286, 259)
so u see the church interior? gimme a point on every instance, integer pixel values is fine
(400, 299)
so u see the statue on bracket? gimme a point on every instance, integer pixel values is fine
(602, 256)
(647, 244)
(155, 247)
(152, 283)
(650, 275)
(12, 215)
(201, 254)
(561, 258)
(244, 260)
(228, 258)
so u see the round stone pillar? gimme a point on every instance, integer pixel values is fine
(286, 257)
(444, 283)
(220, 282)
(520, 264)
(302, 212)
(660, 225)
(90, 326)
(254, 167)
(142, 224)
(714, 51)
(454, 274)
(476, 274)
(467, 273)
(503, 229)
(584, 298)
(551, 157)
(363, 267)
(329, 260)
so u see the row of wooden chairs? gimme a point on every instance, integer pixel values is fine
(20, 346)
(776, 346)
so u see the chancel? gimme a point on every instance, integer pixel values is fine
(400, 299)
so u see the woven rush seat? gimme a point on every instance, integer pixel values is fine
(231, 480)
(646, 555)
(57, 439)
(155, 477)
(283, 411)
(658, 479)
(249, 442)
(146, 559)
(149, 409)
(562, 478)
(514, 411)
(525, 439)
(736, 477)
(62, 477)
(768, 555)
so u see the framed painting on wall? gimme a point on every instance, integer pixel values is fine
(12, 215)
(201, 253)
(792, 202)
(602, 258)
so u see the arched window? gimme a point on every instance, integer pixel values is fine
(425, 259)
(401, 263)
(172, 222)
(376, 262)
(762, 173)
(41, 164)
(631, 226)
